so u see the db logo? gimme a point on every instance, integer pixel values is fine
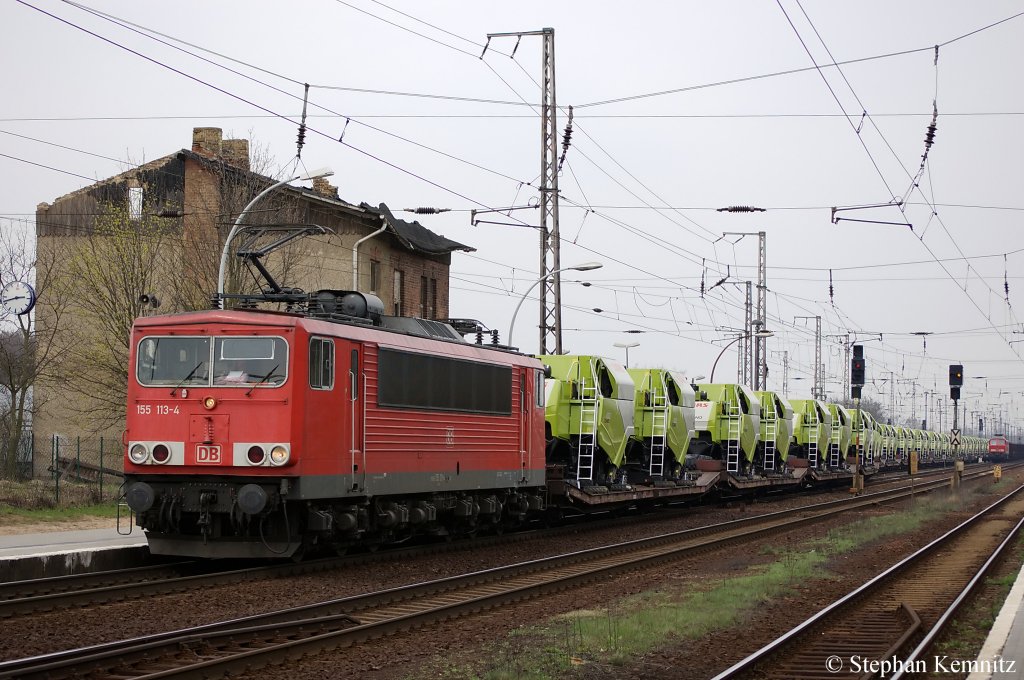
(208, 455)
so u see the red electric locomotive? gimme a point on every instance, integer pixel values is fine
(261, 434)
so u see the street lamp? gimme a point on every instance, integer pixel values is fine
(585, 267)
(626, 346)
(316, 174)
(759, 334)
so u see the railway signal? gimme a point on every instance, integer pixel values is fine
(956, 381)
(857, 369)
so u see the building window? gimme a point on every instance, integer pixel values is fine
(135, 203)
(399, 292)
(321, 363)
(424, 314)
(374, 276)
(432, 314)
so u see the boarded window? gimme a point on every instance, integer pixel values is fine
(423, 381)
(424, 313)
(374, 277)
(398, 294)
(432, 310)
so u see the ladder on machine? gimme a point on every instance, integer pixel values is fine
(732, 446)
(659, 427)
(770, 433)
(813, 432)
(833, 447)
(587, 445)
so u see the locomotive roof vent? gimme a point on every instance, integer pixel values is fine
(425, 328)
(346, 305)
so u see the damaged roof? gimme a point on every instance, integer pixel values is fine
(414, 235)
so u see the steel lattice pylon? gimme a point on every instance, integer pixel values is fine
(550, 260)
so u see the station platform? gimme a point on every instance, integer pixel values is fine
(59, 553)
(1005, 642)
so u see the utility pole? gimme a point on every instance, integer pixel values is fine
(550, 260)
(759, 353)
(746, 366)
(892, 398)
(785, 373)
(819, 373)
(845, 338)
(761, 343)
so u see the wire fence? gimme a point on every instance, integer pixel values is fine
(52, 469)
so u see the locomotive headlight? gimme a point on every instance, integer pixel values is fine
(279, 455)
(138, 454)
(209, 403)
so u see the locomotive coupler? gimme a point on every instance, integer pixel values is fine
(206, 499)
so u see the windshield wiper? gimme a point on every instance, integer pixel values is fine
(187, 377)
(262, 380)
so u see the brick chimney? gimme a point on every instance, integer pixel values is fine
(207, 141)
(236, 152)
(325, 188)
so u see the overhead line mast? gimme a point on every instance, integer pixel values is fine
(550, 295)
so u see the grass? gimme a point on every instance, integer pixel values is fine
(973, 623)
(39, 494)
(613, 636)
(57, 514)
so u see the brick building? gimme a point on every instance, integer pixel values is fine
(193, 196)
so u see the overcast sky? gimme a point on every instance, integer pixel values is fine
(679, 108)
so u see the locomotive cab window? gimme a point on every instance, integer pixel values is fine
(321, 363)
(250, 361)
(173, 361)
(231, 360)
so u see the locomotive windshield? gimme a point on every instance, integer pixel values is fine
(229, 361)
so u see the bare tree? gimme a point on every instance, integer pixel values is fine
(111, 267)
(213, 213)
(877, 410)
(33, 347)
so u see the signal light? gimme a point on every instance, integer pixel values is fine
(161, 454)
(954, 393)
(956, 375)
(256, 455)
(857, 368)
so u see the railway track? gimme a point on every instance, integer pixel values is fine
(885, 627)
(25, 597)
(238, 646)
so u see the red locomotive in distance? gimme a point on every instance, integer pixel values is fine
(998, 446)
(261, 434)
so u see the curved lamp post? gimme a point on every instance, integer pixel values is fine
(626, 346)
(316, 174)
(585, 267)
(758, 334)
